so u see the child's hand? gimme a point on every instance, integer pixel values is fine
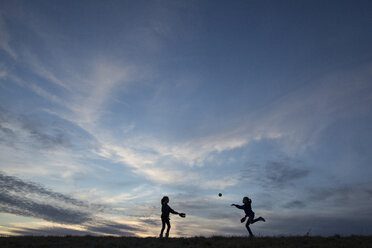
(243, 219)
(183, 215)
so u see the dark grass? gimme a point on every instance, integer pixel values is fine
(223, 242)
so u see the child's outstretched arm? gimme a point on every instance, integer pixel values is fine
(238, 206)
(172, 211)
(183, 215)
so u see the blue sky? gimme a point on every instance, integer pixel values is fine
(106, 106)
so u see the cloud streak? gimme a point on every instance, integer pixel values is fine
(18, 129)
(32, 200)
(5, 39)
(26, 207)
(294, 121)
(280, 173)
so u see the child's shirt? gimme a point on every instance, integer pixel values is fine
(165, 210)
(247, 208)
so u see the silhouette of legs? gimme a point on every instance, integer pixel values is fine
(249, 230)
(258, 219)
(165, 222)
(252, 220)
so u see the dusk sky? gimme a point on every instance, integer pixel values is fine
(107, 106)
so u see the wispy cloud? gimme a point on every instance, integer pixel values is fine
(347, 194)
(280, 173)
(295, 120)
(43, 71)
(82, 91)
(163, 168)
(316, 224)
(48, 228)
(92, 95)
(88, 93)
(20, 206)
(294, 204)
(151, 156)
(29, 199)
(19, 129)
(220, 183)
(47, 231)
(5, 39)
(32, 200)
(86, 96)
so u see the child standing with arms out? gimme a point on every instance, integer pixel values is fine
(247, 207)
(165, 211)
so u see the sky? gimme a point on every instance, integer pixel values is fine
(107, 106)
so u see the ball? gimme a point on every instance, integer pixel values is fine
(219, 194)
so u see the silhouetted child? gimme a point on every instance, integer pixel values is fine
(165, 210)
(247, 207)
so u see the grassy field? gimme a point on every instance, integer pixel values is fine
(225, 242)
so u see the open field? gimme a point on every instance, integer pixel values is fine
(228, 242)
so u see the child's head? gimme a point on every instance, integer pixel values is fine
(246, 200)
(165, 199)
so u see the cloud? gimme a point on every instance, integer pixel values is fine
(295, 204)
(303, 114)
(43, 131)
(20, 128)
(87, 96)
(197, 150)
(280, 173)
(29, 199)
(26, 207)
(7, 131)
(32, 200)
(198, 203)
(6, 135)
(146, 164)
(45, 135)
(109, 227)
(5, 39)
(221, 183)
(44, 71)
(316, 224)
(151, 222)
(355, 197)
(83, 90)
(47, 231)
(294, 122)
(162, 168)
(90, 228)
(18, 186)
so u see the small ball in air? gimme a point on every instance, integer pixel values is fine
(219, 194)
